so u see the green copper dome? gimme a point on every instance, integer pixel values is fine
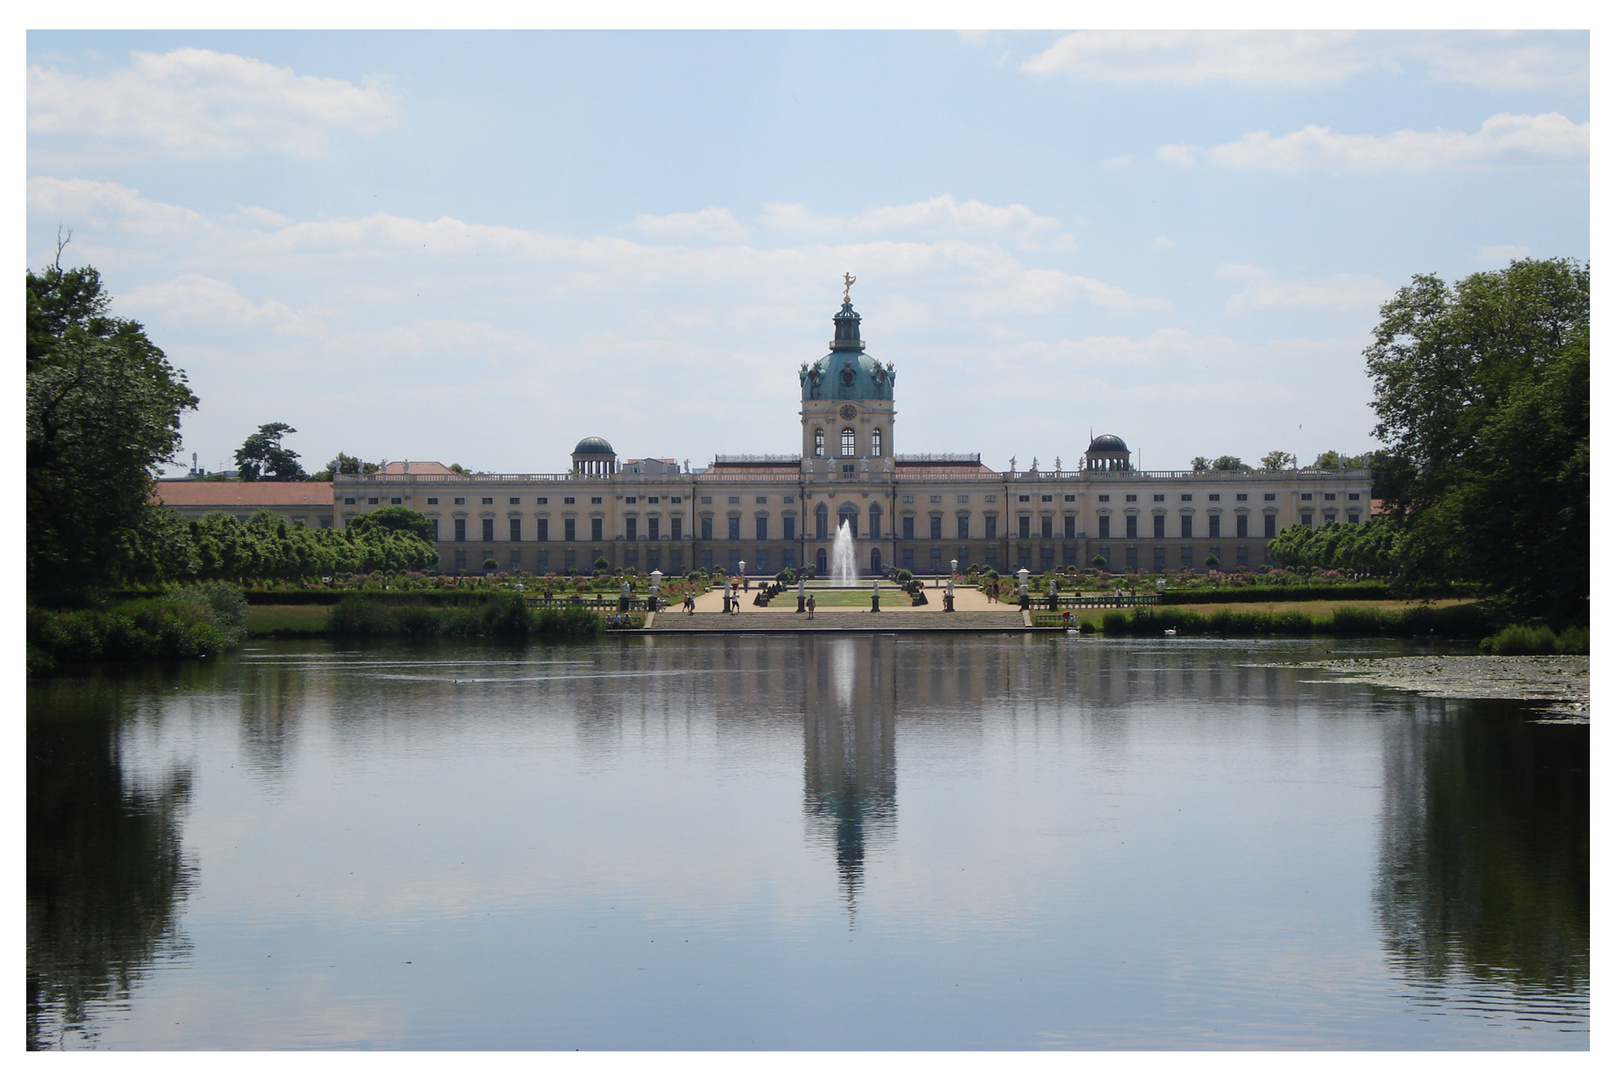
(847, 373)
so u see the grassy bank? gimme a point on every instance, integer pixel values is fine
(1463, 620)
(1521, 640)
(502, 617)
(192, 621)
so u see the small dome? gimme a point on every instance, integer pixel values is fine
(1107, 444)
(594, 445)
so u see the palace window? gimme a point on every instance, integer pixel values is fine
(821, 443)
(433, 500)
(877, 443)
(936, 527)
(706, 527)
(1158, 526)
(1186, 525)
(1214, 526)
(514, 500)
(488, 500)
(568, 500)
(459, 501)
(1023, 528)
(489, 530)
(1270, 496)
(1214, 497)
(542, 529)
(821, 522)
(762, 526)
(1158, 498)
(395, 502)
(875, 517)
(846, 442)
(541, 500)
(630, 529)
(734, 528)
(908, 527)
(373, 501)
(989, 526)
(1271, 526)
(514, 530)
(652, 530)
(1102, 526)
(1242, 498)
(1046, 527)
(461, 530)
(596, 528)
(1305, 519)
(596, 500)
(569, 527)
(962, 521)
(675, 528)
(1186, 498)
(1243, 525)
(1102, 498)
(761, 500)
(435, 528)
(1130, 527)
(788, 527)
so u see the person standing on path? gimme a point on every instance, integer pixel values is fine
(810, 606)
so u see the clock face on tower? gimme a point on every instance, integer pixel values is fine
(847, 412)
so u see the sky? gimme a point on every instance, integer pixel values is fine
(480, 247)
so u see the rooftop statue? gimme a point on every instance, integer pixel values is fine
(849, 279)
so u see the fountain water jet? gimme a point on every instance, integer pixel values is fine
(843, 557)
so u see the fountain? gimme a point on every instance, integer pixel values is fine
(843, 557)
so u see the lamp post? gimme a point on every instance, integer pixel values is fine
(950, 589)
(874, 594)
(1052, 594)
(801, 593)
(742, 572)
(652, 597)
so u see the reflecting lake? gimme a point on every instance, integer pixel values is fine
(799, 842)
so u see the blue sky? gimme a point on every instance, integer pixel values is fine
(479, 247)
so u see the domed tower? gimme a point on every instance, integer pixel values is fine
(847, 403)
(1108, 453)
(594, 456)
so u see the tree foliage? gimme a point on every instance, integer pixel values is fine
(1230, 463)
(103, 409)
(1371, 547)
(344, 464)
(1483, 397)
(262, 455)
(1278, 460)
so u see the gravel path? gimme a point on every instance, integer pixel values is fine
(1560, 684)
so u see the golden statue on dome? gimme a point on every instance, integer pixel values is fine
(849, 279)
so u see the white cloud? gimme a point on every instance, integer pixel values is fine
(715, 223)
(1315, 57)
(1501, 139)
(1263, 292)
(939, 215)
(1503, 253)
(1119, 162)
(1186, 57)
(193, 298)
(194, 103)
(1163, 243)
(93, 204)
(1176, 155)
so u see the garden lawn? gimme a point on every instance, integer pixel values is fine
(271, 618)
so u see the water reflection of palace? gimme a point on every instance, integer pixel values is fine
(849, 769)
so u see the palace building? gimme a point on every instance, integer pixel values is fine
(916, 511)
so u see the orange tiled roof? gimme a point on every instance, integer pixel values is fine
(245, 494)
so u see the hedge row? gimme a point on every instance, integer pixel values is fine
(501, 617)
(1459, 621)
(1252, 594)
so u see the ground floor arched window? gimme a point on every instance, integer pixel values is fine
(821, 561)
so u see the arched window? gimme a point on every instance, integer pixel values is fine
(846, 443)
(821, 443)
(877, 442)
(821, 522)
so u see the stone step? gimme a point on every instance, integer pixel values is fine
(840, 619)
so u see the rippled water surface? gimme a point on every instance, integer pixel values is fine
(799, 842)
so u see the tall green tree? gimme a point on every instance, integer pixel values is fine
(1229, 463)
(103, 411)
(263, 456)
(1277, 460)
(1482, 392)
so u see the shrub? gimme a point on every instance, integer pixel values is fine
(1521, 640)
